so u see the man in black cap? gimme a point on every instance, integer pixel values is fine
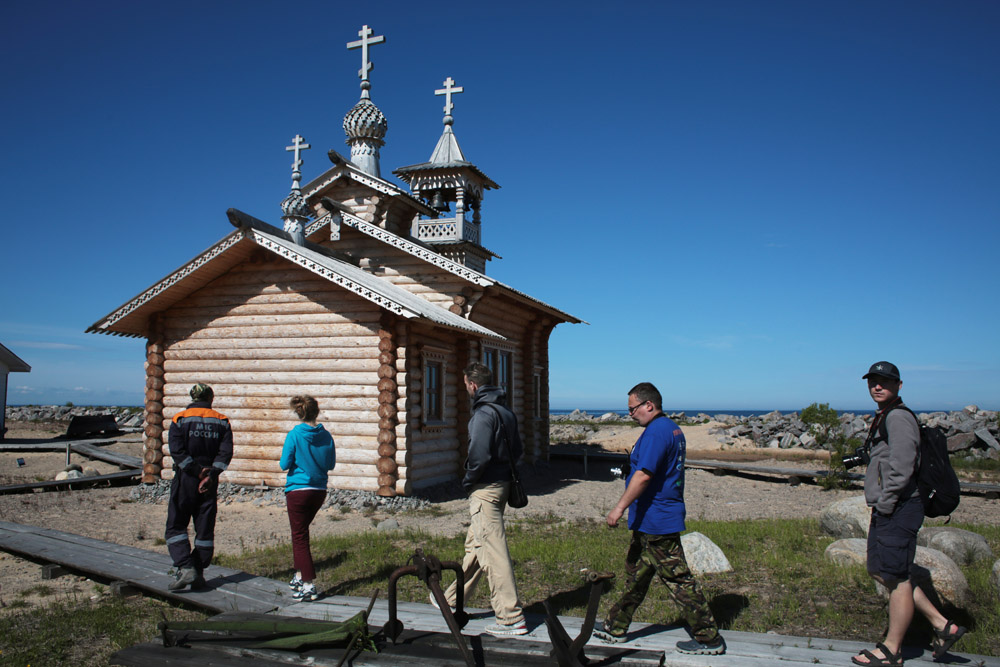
(893, 447)
(201, 445)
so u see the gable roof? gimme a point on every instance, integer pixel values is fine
(130, 318)
(423, 252)
(345, 168)
(13, 362)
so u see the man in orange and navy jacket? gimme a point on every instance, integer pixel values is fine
(201, 445)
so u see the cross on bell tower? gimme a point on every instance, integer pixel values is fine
(448, 91)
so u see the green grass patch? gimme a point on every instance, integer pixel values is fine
(73, 632)
(781, 582)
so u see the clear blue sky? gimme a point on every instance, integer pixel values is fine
(750, 202)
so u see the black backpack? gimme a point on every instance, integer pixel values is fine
(937, 482)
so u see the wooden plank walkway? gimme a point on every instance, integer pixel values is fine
(235, 591)
(123, 476)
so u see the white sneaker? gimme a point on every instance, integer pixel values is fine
(497, 630)
(307, 593)
(296, 583)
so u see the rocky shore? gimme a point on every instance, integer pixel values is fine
(972, 431)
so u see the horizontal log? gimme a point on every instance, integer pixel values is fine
(293, 365)
(176, 321)
(443, 472)
(252, 439)
(433, 459)
(415, 485)
(235, 296)
(216, 308)
(438, 445)
(285, 391)
(289, 331)
(285, 413)
(331, 408)
(336, 429)
(274, 377)
(244, 466)
(323, 341)
(296, 352)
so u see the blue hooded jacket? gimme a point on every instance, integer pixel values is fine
(308, 455)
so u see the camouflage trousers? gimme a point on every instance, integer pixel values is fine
(661, 555)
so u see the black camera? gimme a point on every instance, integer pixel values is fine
(859, 458)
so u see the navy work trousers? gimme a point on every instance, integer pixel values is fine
(186, 504)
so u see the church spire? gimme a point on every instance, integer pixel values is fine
(294, 209)
(365, 125)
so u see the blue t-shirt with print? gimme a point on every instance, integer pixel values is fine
(660, 451)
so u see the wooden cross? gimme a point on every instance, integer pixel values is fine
(365, 33)
(448, 91)
(298, 147)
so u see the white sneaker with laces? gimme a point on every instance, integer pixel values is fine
(497, 630)
(307, 593)
(296, 582)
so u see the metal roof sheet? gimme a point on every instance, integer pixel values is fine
(13, 362)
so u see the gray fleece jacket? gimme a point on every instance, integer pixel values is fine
(891, 477)
(488, 461)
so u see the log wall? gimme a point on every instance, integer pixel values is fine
(259, 335)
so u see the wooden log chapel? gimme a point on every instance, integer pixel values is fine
(370, 298)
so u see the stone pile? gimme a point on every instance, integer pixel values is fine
(972, 431)
(127, 417)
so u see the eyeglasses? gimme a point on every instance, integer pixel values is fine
(631, 411)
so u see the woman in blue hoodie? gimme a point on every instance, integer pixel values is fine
(308, 455)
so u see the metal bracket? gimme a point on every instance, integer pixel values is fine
(428, 569)
(569, 652)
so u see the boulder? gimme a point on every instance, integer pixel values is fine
(68, 474)
(808, 440)
(788, 440)
(962, 546)
(848, 551)
(608, 417)
(90, 471)
(846, 518)
(387, 525)
(703, 555)
(947, 583)
(984, 435)
(961, 441)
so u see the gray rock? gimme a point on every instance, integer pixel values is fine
(608, 417)
(703, 555)
(68, 474)
(846, 518)
(961, 441)
(90, 471)
(788, 440)
(987, 438)
(946, 581)
(962, 546)
(972, 409)
(387, 525)
(774, 443)
(848, 551)
(808, 440)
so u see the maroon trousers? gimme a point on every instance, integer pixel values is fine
(302, 508)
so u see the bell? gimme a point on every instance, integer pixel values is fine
(438, 203)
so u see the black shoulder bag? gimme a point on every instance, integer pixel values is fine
(518, 498)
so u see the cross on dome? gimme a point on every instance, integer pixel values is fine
(366, 66)
(448, 91)
(297, 146)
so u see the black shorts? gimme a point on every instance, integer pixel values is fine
(892, 540)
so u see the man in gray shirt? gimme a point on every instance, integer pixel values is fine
(893, 447)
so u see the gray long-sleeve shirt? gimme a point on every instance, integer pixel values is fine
(892, 473)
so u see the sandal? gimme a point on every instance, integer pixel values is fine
(947, 639)
(889, 659)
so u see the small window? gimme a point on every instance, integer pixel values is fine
(500, 362)
(433, 391)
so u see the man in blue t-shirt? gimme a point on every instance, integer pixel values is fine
(654, 497)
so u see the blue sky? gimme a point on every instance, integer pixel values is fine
(750, 202)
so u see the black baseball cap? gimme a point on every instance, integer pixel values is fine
(884, 369)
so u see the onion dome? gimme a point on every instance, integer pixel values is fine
(365, 121)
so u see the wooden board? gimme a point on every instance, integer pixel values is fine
(124, 476)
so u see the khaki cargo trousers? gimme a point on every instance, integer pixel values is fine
(486, 551)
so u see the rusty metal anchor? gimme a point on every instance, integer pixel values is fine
(428, 569)
(569, 652)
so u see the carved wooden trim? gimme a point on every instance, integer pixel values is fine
(387, 410)
(152, 447)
